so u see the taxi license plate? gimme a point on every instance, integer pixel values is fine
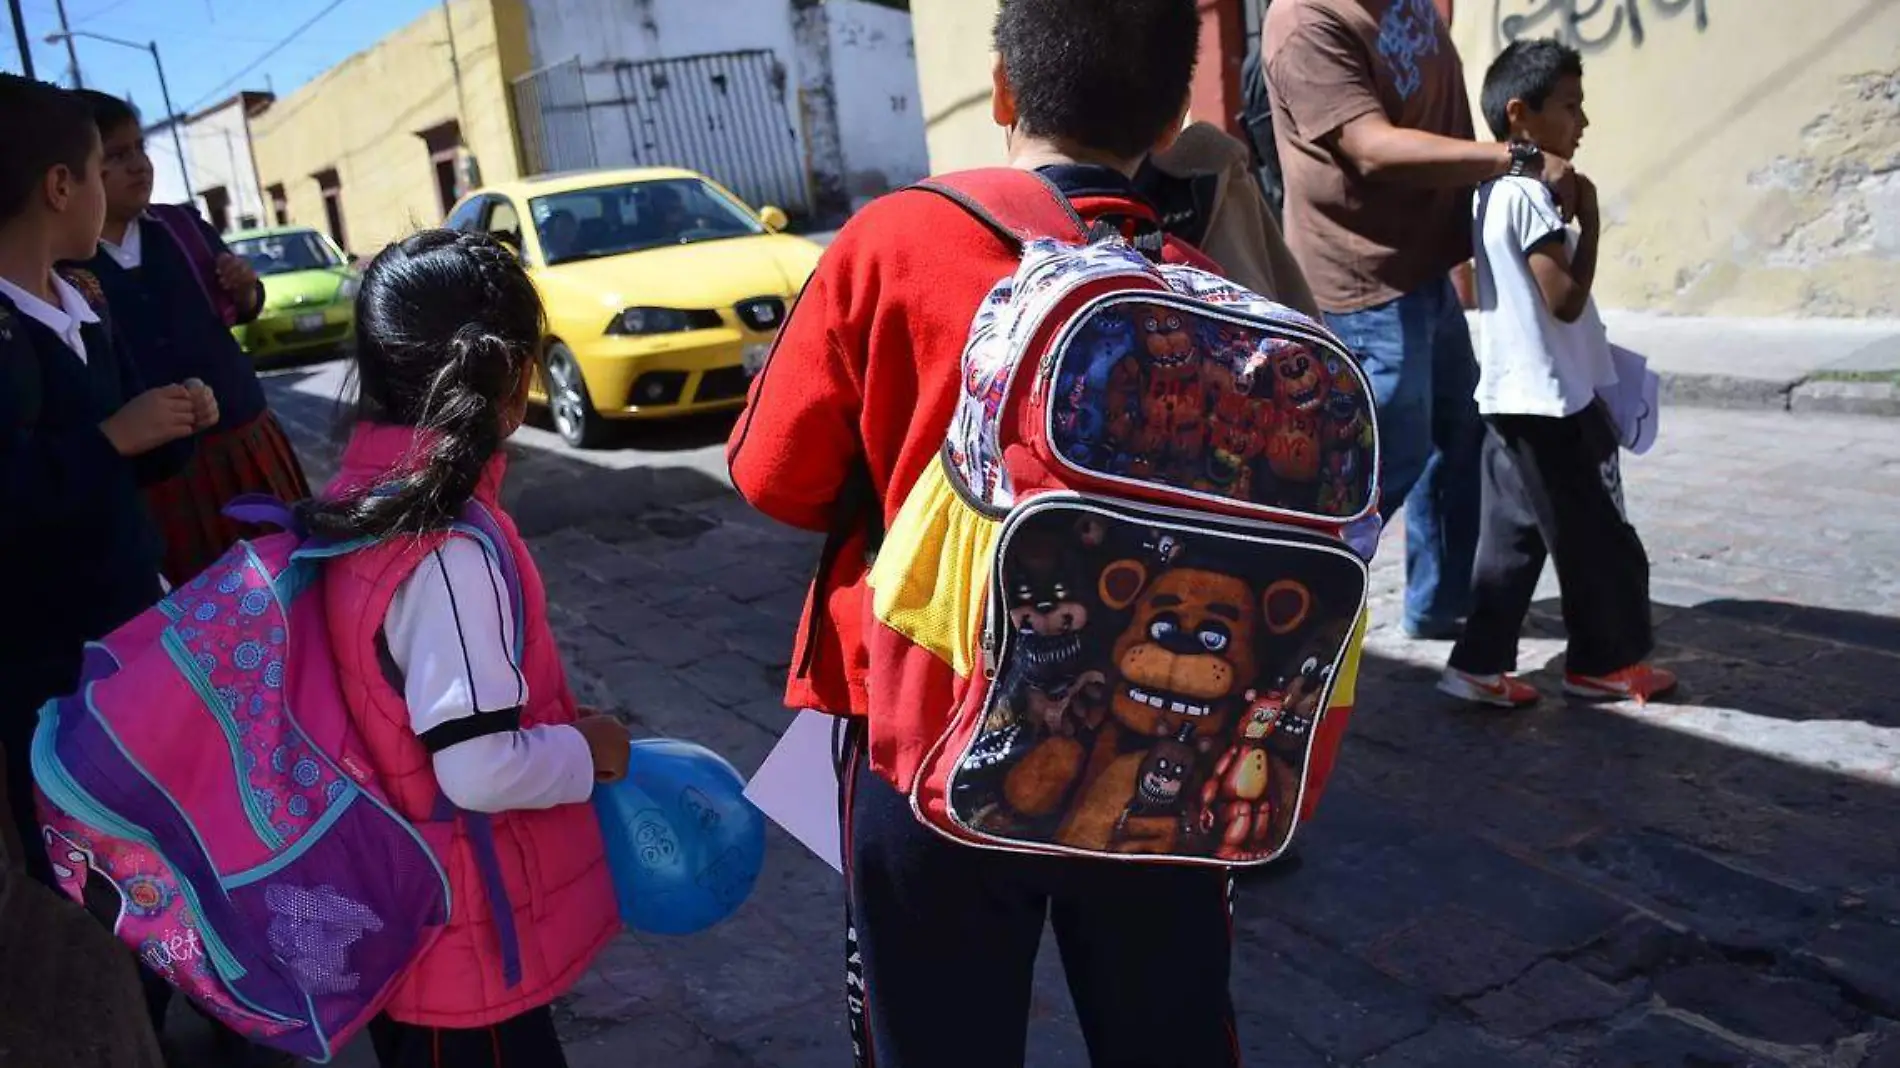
(307, 323)
(753, 357)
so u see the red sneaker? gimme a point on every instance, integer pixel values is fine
(1498, 691)
(1641, 683)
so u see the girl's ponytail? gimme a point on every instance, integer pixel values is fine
(447, 324)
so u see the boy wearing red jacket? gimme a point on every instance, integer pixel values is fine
(850, 408)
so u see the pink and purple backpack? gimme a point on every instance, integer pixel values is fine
(206, 795)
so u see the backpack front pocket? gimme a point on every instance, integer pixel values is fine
(1155, 676)
(1169, 397)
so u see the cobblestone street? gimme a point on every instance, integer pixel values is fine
(1709, 883)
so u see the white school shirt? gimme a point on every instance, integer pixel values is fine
(1529, 361)
(67, 320)
(451, 631)
(128, 254)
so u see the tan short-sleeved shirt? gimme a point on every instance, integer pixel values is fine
(1329, 62)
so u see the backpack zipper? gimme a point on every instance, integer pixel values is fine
(181, 657)
(1043, 389)
(1248, 529)
(65, 792)
(1182, 302)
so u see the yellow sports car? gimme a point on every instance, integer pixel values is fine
(663, 290)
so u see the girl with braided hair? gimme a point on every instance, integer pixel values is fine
(450, 671)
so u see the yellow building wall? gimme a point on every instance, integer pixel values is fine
(362, 117)
(953, 70)
(1747, 151)
(954, 60)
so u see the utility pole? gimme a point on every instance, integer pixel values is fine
(72, 51)
(20, 39)
(176, 120)
(455, 66)
(151, 48)
(461, 101)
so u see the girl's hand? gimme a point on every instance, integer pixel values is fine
(237, 277)
(610, 742)
(204, 404)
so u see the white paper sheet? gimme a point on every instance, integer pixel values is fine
(1633, 401)
(797, 787)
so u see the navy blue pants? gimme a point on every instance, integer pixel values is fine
(943, 937)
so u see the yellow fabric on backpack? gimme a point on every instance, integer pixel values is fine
(932, 573)
(1346, 684)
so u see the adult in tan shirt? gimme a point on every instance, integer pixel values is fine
(1208, 195)
(1375, 136)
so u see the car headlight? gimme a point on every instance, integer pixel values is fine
(642, 321)
(347, 291)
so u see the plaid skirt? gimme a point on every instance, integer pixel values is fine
(188, 507)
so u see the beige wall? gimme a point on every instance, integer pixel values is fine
(953, 68)
(362, 118)
(953, 71)
(1748, 167)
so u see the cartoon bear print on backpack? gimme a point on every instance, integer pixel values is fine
(1174, 426)
(1181, 665)
(1157, 818)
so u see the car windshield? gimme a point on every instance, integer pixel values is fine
(284, 253)
(612, 220)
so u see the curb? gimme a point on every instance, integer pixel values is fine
(1799, 395)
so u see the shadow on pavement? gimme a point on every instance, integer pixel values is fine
(657, 435)
(1572, 885)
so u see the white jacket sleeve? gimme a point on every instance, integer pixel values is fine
(451, 633)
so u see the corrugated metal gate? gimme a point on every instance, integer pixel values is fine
(724, 114)
(557, 133)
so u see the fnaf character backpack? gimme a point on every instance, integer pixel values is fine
(206, 795)
(1130, 574)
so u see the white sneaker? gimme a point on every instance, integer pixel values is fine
(1498, 691)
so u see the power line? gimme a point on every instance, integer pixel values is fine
(89, 16)
(268, 53)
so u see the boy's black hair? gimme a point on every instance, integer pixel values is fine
(1527, 71)
(1108, 75)
(41, 126)
(109, 112)
(446, 325)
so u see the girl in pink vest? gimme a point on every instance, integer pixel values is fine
(454, 686)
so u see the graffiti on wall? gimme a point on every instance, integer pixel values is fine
(1590, 25)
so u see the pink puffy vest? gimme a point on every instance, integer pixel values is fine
(552, 862)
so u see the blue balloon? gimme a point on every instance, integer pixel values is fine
(683, 843)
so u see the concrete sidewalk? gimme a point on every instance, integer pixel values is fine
(1845, 366)
(1848, 366)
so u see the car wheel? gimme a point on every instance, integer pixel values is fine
(569, 407)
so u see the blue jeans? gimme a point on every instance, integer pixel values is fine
(1417, 351)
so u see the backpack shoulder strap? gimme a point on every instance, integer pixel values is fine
(181, 223)
(1019, 206)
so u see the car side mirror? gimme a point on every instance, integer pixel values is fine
(773, 218)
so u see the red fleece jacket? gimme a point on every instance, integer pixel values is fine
(866, 371)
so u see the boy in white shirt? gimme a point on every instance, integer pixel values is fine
(1552, 485)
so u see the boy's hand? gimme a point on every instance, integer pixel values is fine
(153, 418)
(1561, 178)
(1586, 200)
(204, 404)
(611, 744)
(237, 277)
